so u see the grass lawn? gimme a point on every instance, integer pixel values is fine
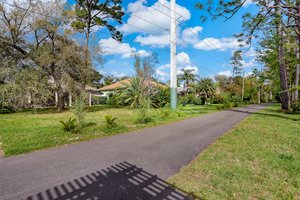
(28, 131)
(257, 159)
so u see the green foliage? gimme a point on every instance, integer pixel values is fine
(226, 100)
(165, 113)
(69, 125)
(144, 115)
(79, 110)
(236, 100)
(110, 121)
(101, 100)
(295, 107)
(131, 94)
(102, 14)
(161, 97)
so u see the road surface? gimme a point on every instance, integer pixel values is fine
(126, 166)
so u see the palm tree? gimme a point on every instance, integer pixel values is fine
(132, 93)
(205, 88)
(188, 76)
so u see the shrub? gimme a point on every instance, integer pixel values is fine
(144, 113)
(7, 110)
(179, 113)
(183, 100)
(198, 101)
(110, 121)
(101, 100)
(161, 97)
(78, 110)
(295, 107)
(164, 113)
(70, 125)
(236, 101)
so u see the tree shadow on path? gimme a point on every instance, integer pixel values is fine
(285, 116)
(121, 181)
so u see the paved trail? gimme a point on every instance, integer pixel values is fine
(128, 166)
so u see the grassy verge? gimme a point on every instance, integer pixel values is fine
(28, 131)
(258, 159)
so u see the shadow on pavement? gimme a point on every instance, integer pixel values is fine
(266, 114)
(121, 181)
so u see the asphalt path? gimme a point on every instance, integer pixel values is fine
(126, 166)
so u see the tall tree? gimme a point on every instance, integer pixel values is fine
(236, 62)
(94, 14)
(268, 16)
(187, 76)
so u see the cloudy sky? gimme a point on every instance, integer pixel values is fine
(207, 47)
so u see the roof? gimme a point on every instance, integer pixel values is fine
(122, 83)
(115, 85)
(90, 88)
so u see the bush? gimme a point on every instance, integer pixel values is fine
(144, 113)
(70, 125)
(161, 98)
(164, 113)
(101, 100)
(198, 101)
(7, 110)
(110, 121)
(236, 101)
(78, 110)
(295, 107)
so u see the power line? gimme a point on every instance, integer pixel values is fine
(160, 49)
(210, 46)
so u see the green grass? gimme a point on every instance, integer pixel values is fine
(257, 159)
(28, 131)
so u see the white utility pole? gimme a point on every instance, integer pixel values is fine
(173, 82)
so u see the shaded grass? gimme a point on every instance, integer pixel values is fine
(258, 159)
(34, 130)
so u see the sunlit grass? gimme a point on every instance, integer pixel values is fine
(258, 159)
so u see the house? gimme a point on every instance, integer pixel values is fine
(110, 89)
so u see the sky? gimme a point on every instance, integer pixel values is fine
(205, 47)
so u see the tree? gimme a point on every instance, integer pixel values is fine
(187, 76)
(92, 14)
(236, 62)
(35, 38)
(270, 15)
(205, 87)
(131, 93)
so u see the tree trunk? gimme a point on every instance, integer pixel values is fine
(296, 94)
(258, 96)
(61, 102)
(285, 99)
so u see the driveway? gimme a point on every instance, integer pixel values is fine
(127, 166)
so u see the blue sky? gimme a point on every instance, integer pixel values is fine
(207, 47)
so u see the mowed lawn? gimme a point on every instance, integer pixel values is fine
(257, 159)
(28, 131)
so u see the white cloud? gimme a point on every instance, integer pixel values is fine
(247, 3)
(250, 53)
(221, 44)
(183, 59)
(183, 62)
(159, 41)
(191, 34)
(248, 64)
(153, 35)
(112, 47)
(118, 74)
(225, 73)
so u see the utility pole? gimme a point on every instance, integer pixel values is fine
(243, 88)
(173, 82)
